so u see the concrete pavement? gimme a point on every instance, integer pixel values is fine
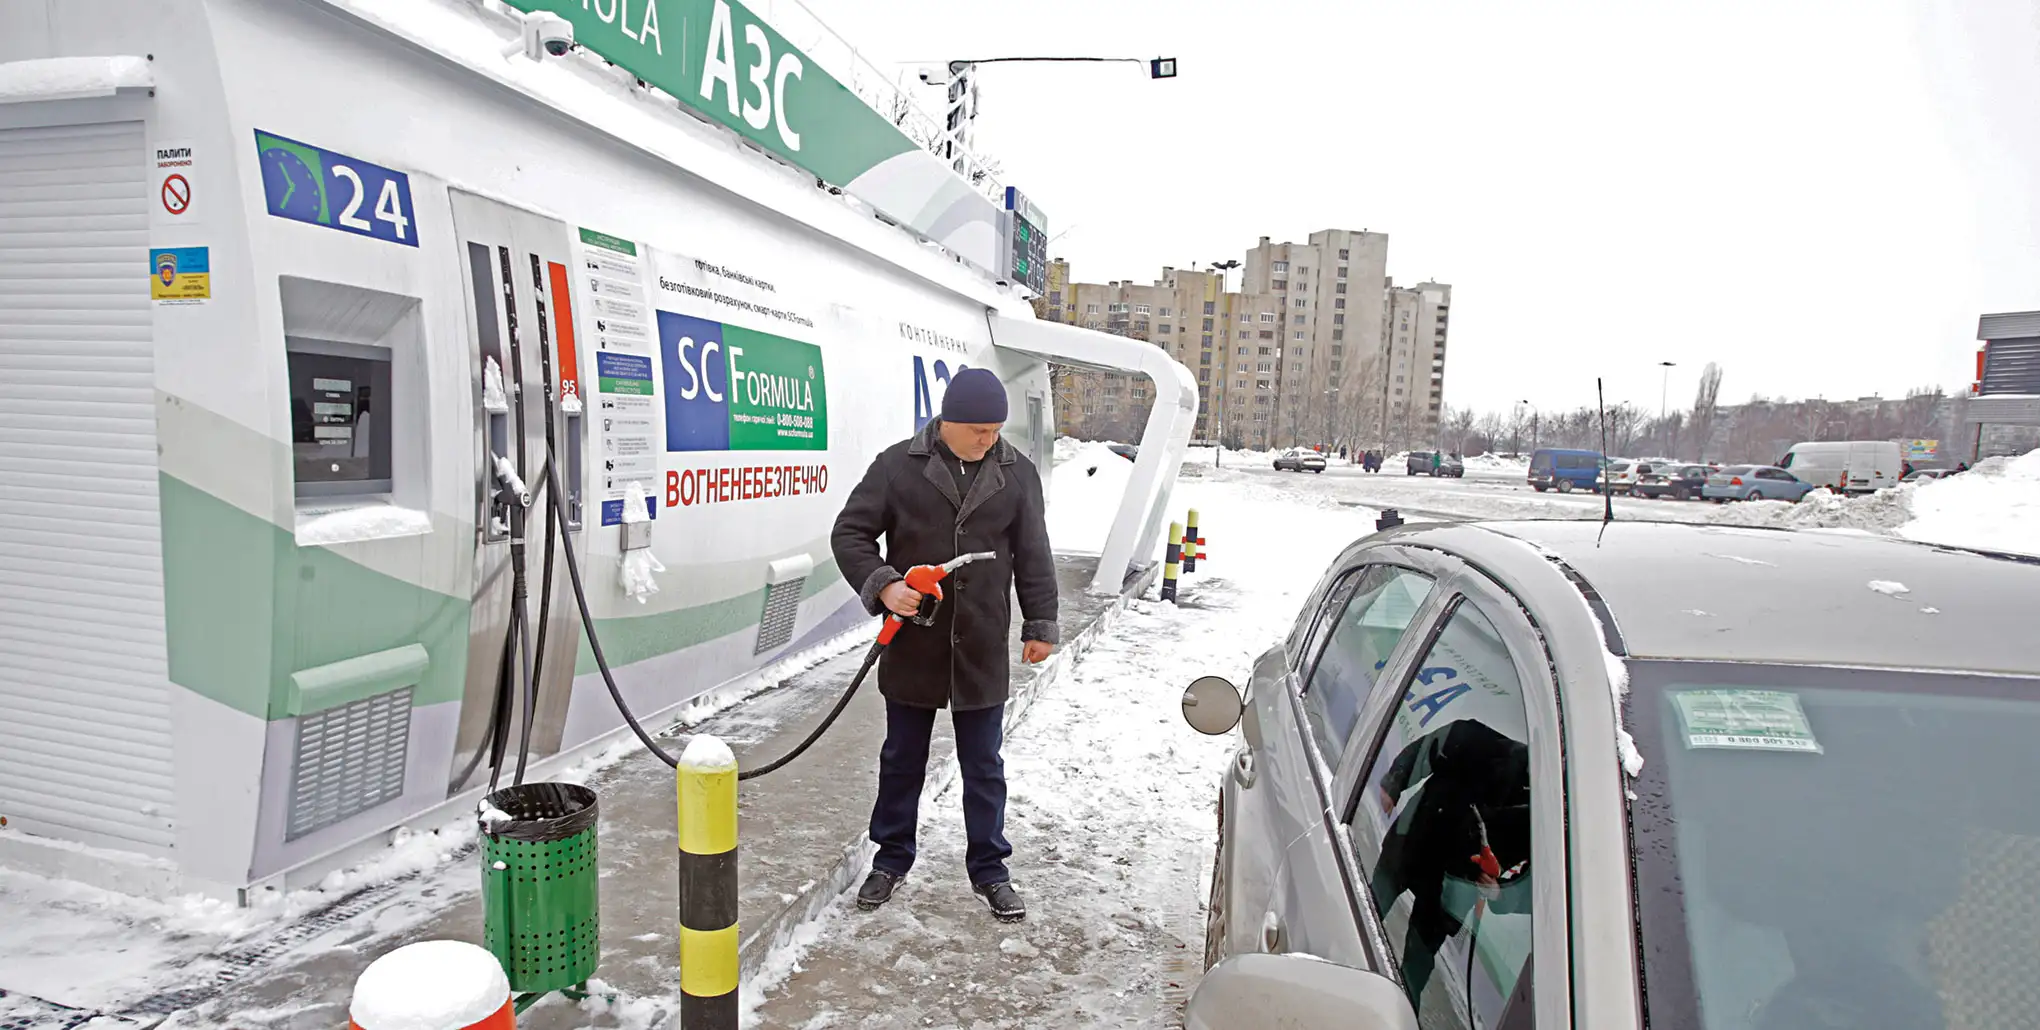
(801, 844)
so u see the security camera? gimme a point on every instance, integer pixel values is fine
(933, 76)
(541, 35)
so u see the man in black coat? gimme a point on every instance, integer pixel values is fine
(953, 489)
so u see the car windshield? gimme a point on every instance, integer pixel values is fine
(1619, 466)
(1738, 470)
(1825, 848)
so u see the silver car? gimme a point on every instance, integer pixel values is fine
(1755, 483)
(1523, 775)
(1300, 459)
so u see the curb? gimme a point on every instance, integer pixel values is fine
(829, 884)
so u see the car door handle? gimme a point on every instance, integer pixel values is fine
(1271, 933)
(1244, 767)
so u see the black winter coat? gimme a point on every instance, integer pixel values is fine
(910, 497)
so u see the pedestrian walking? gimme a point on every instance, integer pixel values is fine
(953, 488)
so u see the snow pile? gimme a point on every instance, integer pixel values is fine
(1881, 512)
(364, 522)
(1066, 447)
(1888, 588)
(1994, 506)
(429, 985)
(1618, 685)
(707, 753)
(1497, 463)
(70, 78)
(1083, 497)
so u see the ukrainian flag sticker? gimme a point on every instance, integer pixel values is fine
(180, 275)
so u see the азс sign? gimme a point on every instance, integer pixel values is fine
(722, 60)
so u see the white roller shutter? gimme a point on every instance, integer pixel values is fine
(85, 749)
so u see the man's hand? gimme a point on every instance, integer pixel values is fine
(1034, 652)
(901, 599)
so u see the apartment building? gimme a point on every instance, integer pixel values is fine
(1331, 290)
(1308, 352)
(1180, 312)
(1409, 393)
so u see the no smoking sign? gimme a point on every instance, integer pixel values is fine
(176, 194)
(176, 170)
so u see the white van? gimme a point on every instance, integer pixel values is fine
(1846, 466)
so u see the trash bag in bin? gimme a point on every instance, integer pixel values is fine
(539, 880)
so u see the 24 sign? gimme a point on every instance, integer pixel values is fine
(309, 184)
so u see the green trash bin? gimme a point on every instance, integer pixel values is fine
(539, 880)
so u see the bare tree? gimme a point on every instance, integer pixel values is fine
(1705, 405)
(1458, 427)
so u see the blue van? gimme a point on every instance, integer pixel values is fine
(1552, 468)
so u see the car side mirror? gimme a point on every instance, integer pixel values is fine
(1212, 705)
(1259, 990)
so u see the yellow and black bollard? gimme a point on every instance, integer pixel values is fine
(1171, 560)
(706, 779)
(1190, 542)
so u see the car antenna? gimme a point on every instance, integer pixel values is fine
(1607, 487)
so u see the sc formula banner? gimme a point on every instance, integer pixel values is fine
(745, 380)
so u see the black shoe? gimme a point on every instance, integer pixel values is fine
(877, 890)
(1004, 900)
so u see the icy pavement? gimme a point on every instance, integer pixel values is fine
(1110, 812)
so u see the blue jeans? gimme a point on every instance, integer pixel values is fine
(903, 768)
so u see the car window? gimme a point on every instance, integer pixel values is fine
(1786, 463)
(1773, 474)
(1737, 470)
(1384, 600)
(1442, 828)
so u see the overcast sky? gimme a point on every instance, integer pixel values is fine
(1821, 195)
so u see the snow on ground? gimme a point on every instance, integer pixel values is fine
(1995, 506)
(98, 950)
(1497, 463)
(1110, 815)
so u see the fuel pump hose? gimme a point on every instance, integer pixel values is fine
(616, 694)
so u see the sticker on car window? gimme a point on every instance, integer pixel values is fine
(1748, 720)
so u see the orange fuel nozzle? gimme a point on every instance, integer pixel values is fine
(926, 580)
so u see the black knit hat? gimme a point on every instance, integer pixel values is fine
(975, 396)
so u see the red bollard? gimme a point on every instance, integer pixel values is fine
(433, 985)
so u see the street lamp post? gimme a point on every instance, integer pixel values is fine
(1533, 422)
(1664, 386)
(962, 109)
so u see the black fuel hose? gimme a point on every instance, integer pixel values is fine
(616, 693)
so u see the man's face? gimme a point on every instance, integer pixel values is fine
(971, 441)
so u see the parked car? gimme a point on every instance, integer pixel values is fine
(1679, 482)
(1922, 475)
(1435, 463)
(1851, 466)
(1124, 450)
(1754, 483)
(1562, 470)
(1300, 459)
(1617, 477)
(1561, 774)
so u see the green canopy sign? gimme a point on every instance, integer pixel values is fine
(722, 60)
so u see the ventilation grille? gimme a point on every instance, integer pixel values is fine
(782, 608)
(349, 759)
